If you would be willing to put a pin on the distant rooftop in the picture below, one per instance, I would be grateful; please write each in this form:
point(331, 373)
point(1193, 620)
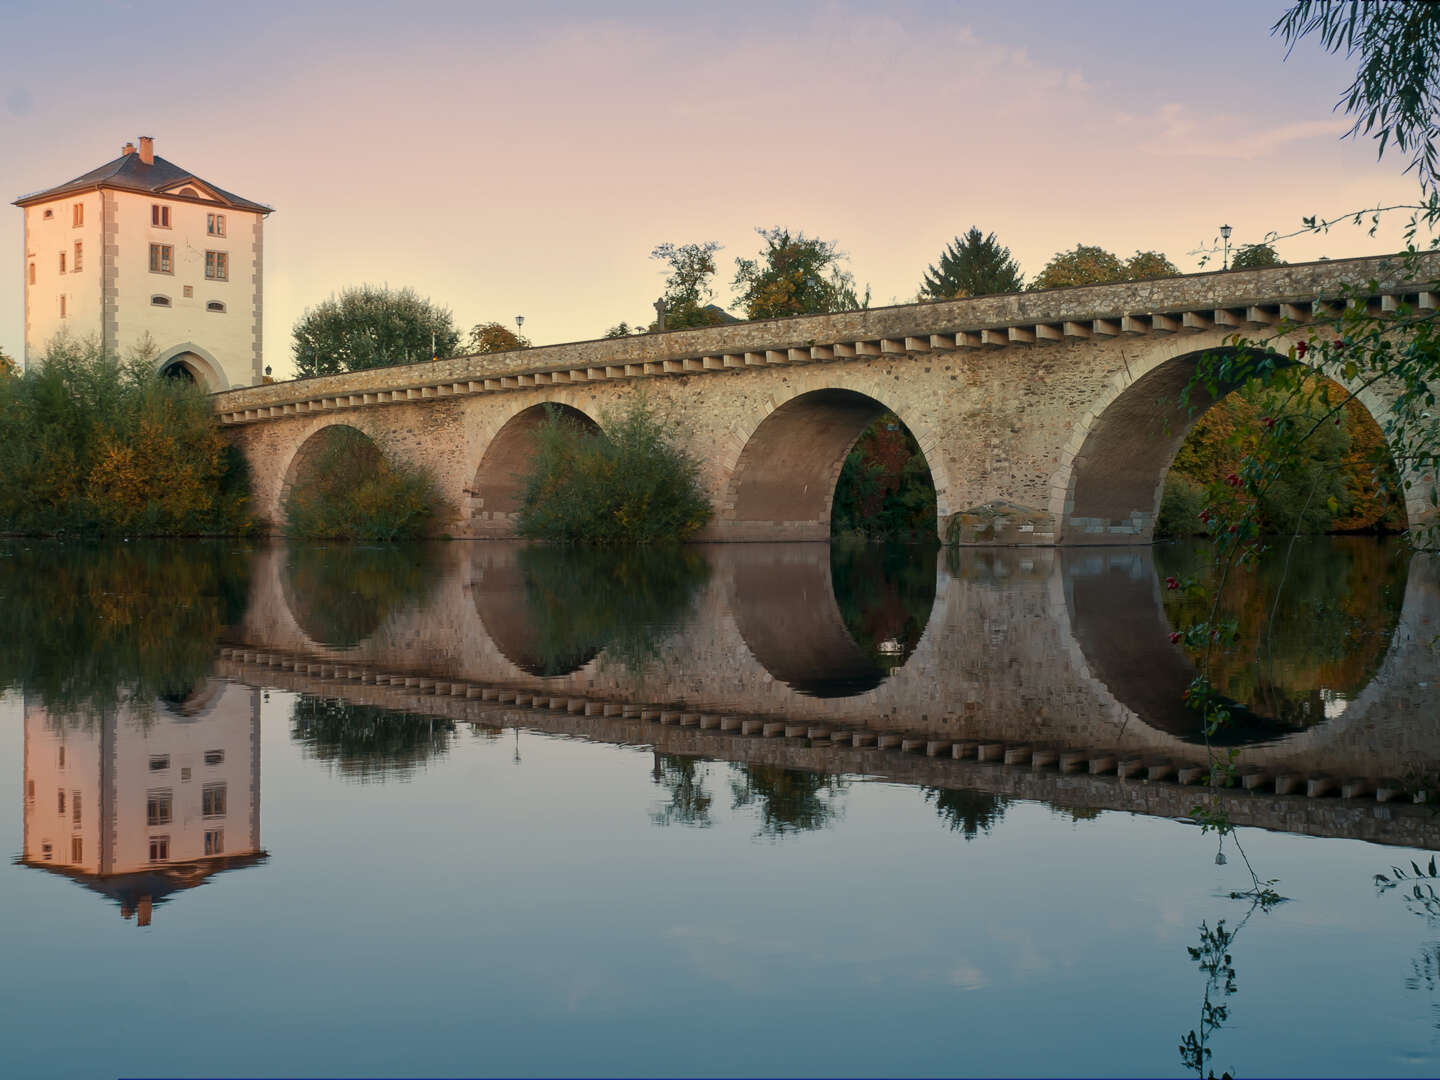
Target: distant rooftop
point(138, 169)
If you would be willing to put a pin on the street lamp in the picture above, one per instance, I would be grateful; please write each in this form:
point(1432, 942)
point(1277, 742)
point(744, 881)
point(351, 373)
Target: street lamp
point(1225, 235)
point(519, 324)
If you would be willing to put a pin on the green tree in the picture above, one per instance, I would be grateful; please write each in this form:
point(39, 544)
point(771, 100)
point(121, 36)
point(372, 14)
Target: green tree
point(8, 366)
point(1254, 256)
point(632, 483)
point(794, 275)
point(623, 329)
point(1085, 265)
point(371, 326)
point(972, 265)
point(1149, 264)
point(1395, 96)
point(687, 289)
point(1089, 265)
point(492, 337)
point(91, 443)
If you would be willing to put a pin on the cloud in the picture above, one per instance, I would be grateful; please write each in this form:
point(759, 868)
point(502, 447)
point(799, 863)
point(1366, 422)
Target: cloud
point(1179, 130)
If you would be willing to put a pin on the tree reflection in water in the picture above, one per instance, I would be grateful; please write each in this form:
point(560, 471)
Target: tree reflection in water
point(1312, 626)
point(88, 626)
point(366, 743)
point(683, 777)
point(341, 594)
point(885, 593)
point(1417, 888)
point(626, 600)
point(788, 800)
point(967, 812)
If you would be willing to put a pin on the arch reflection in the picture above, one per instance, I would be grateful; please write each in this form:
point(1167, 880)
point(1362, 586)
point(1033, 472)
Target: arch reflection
point(1295, 663)
point(551, 610)
point(832, 621)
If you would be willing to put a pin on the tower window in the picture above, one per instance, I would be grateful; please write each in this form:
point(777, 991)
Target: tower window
point(159, 807)
point(215, 224)
point(62, 262)
point(215, 305)
point(62, 305)
point(162, 259)
point(79, 248)
point(78, 212)
point(160, 301)
point(217, 266)
point(48, 214)
point(32, 273)
point(159, 216)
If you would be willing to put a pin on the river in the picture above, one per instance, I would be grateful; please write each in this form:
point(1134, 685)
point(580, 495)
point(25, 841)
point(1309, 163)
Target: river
point(721, 810)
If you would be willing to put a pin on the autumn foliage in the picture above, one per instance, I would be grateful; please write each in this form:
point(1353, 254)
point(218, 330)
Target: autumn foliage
point(94, 445)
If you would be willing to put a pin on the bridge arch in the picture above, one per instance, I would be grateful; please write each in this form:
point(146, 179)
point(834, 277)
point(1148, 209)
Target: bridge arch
point(781, 485)
point(190, 361)
point(1114, 467)
point(498, 487)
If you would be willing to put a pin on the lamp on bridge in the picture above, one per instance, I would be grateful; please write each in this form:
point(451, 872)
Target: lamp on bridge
point(519, 323)
point(1225, 236)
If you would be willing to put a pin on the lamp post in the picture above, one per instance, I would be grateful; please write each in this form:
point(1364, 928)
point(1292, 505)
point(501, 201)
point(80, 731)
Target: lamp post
point(519, 325)
point(1225, 236)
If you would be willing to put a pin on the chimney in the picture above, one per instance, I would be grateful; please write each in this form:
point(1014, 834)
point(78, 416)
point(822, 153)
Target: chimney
point(127, 149)
point(147, 150)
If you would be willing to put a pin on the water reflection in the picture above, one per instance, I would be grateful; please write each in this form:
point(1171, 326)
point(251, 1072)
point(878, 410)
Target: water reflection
point(552, 610)
point(683, 778)
point(969, 813)
point(787, 800)
point(1313, 622)
point(832, 621)
point(91, 626)
point(141, 803)
point(366, 743)
point(340, 594)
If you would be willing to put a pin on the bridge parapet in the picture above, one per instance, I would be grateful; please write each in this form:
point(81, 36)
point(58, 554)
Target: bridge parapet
point(1236, 300)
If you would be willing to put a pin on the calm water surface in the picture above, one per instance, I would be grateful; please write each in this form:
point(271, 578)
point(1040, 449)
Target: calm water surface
point(478, 809)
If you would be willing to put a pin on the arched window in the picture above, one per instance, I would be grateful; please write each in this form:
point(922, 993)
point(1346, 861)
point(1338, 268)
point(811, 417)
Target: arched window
point(215, 305)
point(160, 301)
point(190, 191)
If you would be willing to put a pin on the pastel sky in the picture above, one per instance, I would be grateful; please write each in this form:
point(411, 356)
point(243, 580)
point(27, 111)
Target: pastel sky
point(511, 158)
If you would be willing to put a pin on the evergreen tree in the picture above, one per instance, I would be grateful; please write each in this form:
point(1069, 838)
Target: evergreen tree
point(974, 265)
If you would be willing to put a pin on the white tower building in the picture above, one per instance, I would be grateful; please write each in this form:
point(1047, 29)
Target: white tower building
point(142, 246)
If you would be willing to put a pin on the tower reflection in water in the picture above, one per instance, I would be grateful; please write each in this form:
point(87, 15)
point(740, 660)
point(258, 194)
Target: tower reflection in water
point(142, 803)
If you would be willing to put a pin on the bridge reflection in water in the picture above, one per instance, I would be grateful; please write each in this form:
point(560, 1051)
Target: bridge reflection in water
point(1054, 665)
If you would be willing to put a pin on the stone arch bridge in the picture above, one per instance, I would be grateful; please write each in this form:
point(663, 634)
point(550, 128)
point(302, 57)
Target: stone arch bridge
point(1046, 418)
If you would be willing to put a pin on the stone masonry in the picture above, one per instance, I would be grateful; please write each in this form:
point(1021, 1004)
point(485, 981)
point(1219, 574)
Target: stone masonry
point(1046, 418)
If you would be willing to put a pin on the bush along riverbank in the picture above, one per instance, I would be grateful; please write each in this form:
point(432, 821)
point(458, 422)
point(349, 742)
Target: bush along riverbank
point(630, 484)
point(348, 488)
point(94, 444)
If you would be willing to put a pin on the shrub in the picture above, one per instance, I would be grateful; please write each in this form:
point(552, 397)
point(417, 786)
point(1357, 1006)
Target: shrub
point(348, 489)
point(885, 491)
point(90, 443)
point(633, 485)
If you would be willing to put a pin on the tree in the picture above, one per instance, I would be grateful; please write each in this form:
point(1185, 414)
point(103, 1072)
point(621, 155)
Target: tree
point(8, 366)
point(794, 275)
point(1396, 93)
point(1254, 256)
point(687, 289)
point(976, 265)
point(623, 329)
point(1088, 265)
point(1149, 264)
point(494, 337)
point(371, 326)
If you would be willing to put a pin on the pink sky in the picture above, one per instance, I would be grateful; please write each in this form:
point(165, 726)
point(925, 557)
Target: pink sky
point(505, 161)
